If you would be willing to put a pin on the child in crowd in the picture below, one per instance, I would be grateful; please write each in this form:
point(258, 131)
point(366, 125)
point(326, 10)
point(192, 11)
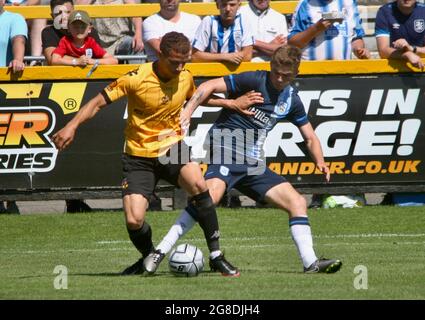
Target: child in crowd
point(79, 46)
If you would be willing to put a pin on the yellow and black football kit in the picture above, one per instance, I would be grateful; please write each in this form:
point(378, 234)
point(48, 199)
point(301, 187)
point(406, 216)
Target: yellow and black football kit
point(153, 127)
point(154, 107)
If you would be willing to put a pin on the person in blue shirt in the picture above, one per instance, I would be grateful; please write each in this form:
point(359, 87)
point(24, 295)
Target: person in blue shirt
point(400, 31)
point(227, 37)
point(13, 35)
point(238, 162)
point(328, 30)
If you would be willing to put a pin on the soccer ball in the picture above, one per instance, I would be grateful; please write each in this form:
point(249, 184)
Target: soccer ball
point(186, 261)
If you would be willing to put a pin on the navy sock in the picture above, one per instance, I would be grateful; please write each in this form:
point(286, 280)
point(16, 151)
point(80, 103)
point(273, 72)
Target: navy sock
point(202, 209)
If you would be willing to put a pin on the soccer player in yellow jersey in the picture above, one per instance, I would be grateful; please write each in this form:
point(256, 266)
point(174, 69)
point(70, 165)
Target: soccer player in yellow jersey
point(156, 95)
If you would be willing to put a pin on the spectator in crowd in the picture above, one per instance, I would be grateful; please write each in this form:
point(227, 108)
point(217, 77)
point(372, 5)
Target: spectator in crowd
point(400, 31)
point(13, 35)
point(269, 27)
point(51, 35)
point(400, 34)
point(169, 18)
point(224, 38)
point(328, 30)
point(118, 36)
point(79, 48)
point(35, 26)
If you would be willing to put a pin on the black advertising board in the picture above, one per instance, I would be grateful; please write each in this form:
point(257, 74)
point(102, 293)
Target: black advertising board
point(370, 128)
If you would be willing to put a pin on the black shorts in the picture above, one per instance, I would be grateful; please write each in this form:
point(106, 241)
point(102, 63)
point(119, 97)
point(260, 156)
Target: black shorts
point(141, 174)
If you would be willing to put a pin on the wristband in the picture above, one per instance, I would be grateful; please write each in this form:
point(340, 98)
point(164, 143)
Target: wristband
point(74, 62)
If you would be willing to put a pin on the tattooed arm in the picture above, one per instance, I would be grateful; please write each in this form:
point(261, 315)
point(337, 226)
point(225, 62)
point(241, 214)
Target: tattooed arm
point(205, 92)
point(201, 94)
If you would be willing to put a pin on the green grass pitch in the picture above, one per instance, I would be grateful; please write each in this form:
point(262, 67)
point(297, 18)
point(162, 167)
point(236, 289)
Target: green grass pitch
point(388, 243)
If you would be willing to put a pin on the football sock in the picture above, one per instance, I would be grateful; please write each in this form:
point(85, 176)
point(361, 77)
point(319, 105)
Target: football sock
point(183, 224)
point(301, 234)
point(202, 209)
point(142, 239)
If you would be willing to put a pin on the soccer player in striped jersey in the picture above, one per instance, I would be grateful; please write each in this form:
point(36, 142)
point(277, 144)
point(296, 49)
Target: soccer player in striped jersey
point(239, 163)
point(328, 30)
point(156, 94)
point(224, 38)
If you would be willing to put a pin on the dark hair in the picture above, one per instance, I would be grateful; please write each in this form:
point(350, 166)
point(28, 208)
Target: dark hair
point(174, 41)
point(287, 55)
point(54, 3)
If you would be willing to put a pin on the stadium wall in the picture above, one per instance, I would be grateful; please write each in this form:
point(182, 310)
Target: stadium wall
point(367, 114)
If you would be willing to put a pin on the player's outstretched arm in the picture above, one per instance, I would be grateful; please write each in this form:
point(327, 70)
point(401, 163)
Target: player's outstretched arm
point(65, 136)
point(242, 103)
point(315, 149)
point(201, 94)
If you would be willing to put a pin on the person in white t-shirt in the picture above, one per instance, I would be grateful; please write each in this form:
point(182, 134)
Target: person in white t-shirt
point(168, 19)
point(224, 38)
point(269, 27)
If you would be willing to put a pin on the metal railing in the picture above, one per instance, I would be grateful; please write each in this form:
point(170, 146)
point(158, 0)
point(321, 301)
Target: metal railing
point(142, 57)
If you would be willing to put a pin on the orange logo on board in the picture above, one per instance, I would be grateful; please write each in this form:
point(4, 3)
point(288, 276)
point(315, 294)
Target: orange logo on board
point(25, 145)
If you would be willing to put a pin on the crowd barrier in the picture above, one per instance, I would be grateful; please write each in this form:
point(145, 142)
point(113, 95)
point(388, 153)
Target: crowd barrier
point(138, 10)
point(367, 114)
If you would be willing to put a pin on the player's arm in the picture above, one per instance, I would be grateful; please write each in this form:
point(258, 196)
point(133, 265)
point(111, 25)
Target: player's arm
point(65, 136)
point(205, 93)
point(240, 104)
point(201, 94)
point(315, 149)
